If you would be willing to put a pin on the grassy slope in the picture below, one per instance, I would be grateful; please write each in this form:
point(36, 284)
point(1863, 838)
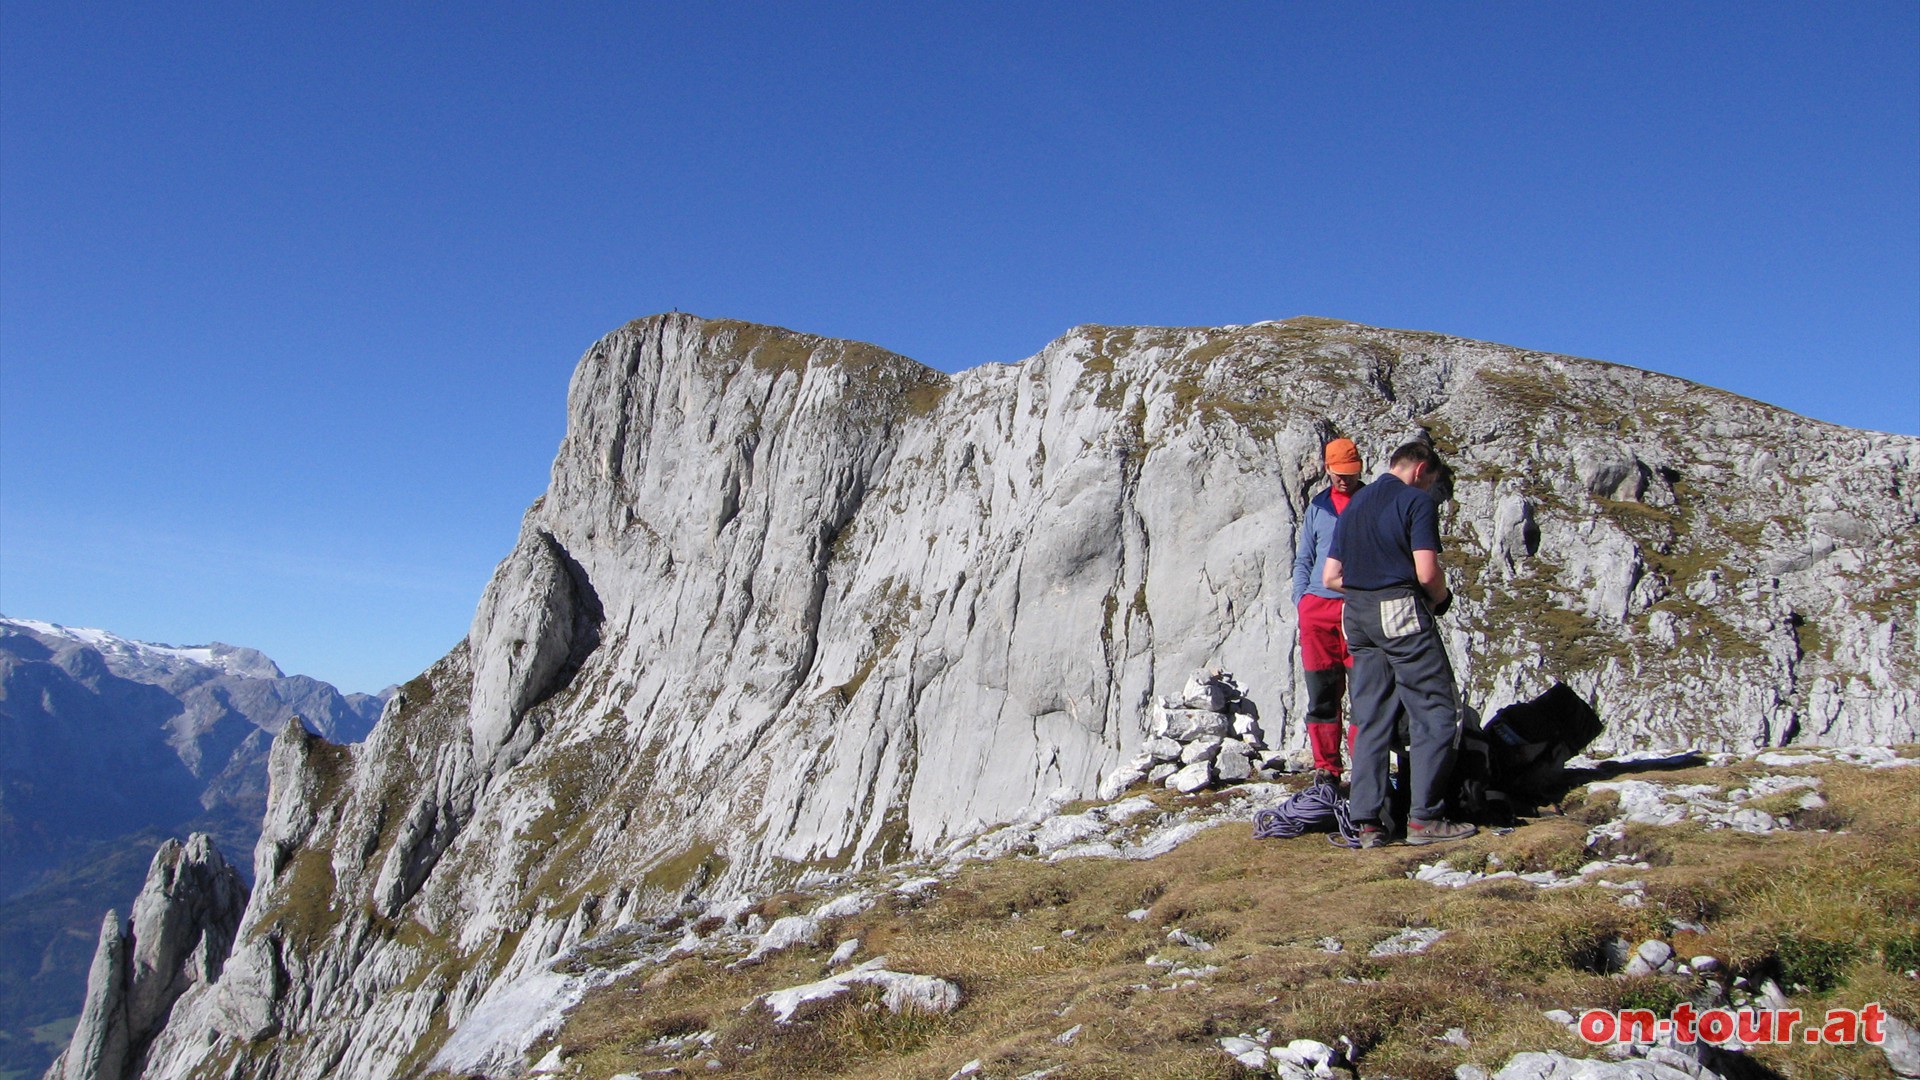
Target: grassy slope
point(1836, 912)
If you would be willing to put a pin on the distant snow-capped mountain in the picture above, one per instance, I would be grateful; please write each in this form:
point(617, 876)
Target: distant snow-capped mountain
point(107, 743)
point(226, 701)
point(231, 659)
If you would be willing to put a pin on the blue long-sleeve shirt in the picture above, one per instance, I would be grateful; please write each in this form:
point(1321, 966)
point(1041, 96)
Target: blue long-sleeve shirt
point(1310, 554)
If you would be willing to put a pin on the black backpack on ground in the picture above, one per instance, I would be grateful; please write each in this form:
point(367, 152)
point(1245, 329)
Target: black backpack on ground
point(1515, 761)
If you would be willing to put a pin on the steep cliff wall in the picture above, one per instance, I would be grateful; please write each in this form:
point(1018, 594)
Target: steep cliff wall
point(180, 935)
point(792, 603)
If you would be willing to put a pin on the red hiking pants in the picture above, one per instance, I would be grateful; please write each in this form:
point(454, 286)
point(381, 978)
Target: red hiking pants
point(1323, 655)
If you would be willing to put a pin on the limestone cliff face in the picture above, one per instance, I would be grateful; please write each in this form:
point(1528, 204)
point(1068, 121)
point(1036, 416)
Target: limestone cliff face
point(792, 603)
point(181, 932)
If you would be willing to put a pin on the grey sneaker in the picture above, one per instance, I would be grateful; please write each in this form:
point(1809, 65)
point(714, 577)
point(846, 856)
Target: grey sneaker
point(1371, 836)
point(1438, 831)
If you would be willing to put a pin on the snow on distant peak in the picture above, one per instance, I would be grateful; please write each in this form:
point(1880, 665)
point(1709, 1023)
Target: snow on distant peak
point(231, 659)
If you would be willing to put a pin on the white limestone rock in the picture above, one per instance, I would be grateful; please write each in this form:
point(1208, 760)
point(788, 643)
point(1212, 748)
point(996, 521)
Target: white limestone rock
point(1247, 728)
point(844, 952)
point(1192, 778)
point(921, 993)
point(1067, 829)
point(790, 601)
point(1205, 748)
point(841, 907)
point(1115, 783)
point(1245, 1051)
point(1305, 1059)
point(1553, 1065)
point(512, 1016)
point(522, 637)
point(1609, 470)
point(182, 930)
point(785, 933)
point(1413, 939)
point(1901, 1047)
point(1515, 534)
point(1162, 748)
point(1178, 936)
point(1233, 767)
point(98, 1047)
point(1185, 725)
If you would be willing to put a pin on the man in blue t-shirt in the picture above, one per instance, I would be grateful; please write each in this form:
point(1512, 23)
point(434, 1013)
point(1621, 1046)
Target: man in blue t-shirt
point(1385, 559)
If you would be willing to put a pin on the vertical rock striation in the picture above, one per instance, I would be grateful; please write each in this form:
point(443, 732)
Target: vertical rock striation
point(792, 603)
point(181, 933)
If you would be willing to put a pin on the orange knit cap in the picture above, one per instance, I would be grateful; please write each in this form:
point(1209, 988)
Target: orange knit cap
point(1343, 457)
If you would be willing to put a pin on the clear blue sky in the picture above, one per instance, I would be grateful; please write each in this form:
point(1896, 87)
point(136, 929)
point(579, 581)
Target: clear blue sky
point(290, 292)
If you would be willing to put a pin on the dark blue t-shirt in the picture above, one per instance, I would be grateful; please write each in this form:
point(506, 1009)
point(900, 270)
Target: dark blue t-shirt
point(1387, 521)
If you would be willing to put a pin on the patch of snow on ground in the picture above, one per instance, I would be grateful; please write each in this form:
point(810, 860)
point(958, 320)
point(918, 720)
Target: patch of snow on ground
point(111, 644)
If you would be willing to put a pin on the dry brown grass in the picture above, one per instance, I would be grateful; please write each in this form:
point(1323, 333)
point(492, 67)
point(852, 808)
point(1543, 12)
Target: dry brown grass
point(1040, 948)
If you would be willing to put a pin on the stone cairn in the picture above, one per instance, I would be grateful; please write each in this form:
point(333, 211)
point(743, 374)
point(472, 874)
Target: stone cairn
point(1210, 735)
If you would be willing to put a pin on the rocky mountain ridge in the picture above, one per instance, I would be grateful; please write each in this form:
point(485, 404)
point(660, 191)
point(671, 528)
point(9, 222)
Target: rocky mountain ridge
point(108, 745)
point(179, 937)
point(154, 658)
point(199, 718)
point(792, 605)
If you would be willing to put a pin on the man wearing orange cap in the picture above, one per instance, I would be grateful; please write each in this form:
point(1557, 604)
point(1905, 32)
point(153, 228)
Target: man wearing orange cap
point(1323, 648)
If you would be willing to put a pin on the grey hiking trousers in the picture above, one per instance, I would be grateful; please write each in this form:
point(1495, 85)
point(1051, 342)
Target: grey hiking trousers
point(1398, 658)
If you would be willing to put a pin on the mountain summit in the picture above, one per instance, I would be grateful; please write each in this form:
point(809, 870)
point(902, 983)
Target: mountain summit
point(793, 605)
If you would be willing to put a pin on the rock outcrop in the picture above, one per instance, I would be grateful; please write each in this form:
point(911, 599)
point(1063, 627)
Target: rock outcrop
point(107, 746)
point(101, 736)
point(181, 933)
point(792, 604)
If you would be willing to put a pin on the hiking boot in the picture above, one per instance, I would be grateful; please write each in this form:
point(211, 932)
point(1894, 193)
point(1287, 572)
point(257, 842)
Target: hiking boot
point(1438, 831)
point(1327, 777)
point(1370, 836)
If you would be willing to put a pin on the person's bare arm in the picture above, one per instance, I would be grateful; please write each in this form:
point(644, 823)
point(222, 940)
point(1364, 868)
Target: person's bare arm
point(1333, 575)
point(1426, 568)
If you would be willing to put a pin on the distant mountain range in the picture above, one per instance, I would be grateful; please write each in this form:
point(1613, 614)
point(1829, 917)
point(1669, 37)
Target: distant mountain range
point(107, 746)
